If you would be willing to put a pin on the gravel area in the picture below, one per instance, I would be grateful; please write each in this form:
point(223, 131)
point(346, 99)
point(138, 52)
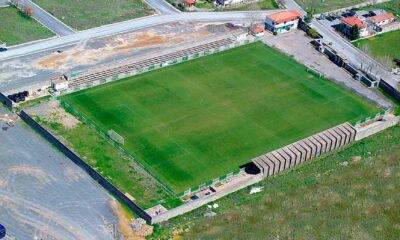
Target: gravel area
point(43, 195)
point(298, 45)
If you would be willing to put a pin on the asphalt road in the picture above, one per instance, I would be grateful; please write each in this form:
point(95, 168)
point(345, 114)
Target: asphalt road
point(43, 195)
point(123, 27)
point(353, 54)
point(345, 48)
point(4, 3)
point(48, 20)
point(162, 7)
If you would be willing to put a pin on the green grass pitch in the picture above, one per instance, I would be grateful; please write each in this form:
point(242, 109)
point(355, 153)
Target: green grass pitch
point(199, 120)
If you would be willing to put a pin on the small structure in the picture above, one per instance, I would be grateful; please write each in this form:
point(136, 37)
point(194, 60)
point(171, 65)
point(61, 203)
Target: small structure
point(282, 21)
point(349, 22)
point(189, 3)
point(59, 84)
point(257, 31)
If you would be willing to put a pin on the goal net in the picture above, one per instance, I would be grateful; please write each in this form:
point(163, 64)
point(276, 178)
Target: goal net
point(116, 137)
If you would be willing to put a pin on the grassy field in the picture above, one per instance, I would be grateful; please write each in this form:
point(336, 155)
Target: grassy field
point(325, 198)
point(327, 5)
point(199, 120)
point(16, 28)
point(93, 13)
point(382, 45)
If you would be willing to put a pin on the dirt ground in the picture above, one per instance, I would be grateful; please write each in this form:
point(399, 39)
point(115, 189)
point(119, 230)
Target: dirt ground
point(166, 36)
point(51, 111)
point(125, 224)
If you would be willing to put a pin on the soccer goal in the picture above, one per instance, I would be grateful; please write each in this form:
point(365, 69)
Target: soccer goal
point(116, 137)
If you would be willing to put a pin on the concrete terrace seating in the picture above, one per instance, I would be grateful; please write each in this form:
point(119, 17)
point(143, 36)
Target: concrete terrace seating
point(147, 62)
point(289, 156)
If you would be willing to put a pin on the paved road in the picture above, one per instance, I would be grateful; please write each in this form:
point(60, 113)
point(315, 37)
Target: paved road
point(341, 45)
point(4, 3)
point(162, 7)
point(123, 27)
point(44, 195)
point(48, 20)
point(291, 4)
point(353, 54)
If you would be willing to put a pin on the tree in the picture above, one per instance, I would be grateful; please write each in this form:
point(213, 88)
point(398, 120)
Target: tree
point(253, 13)
point(309, 16)
point(354, 32)
point(313, 33)
point(28, 11)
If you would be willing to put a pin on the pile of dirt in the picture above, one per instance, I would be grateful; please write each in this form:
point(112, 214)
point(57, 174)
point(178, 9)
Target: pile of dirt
point(125, 226)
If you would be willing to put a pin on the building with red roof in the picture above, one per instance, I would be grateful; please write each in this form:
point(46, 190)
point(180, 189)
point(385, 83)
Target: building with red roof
point(349, 22)
point(189, 3)
point(281, 22)
point(383, 19)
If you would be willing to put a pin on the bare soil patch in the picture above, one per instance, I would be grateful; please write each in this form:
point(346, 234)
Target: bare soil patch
point(53, 112)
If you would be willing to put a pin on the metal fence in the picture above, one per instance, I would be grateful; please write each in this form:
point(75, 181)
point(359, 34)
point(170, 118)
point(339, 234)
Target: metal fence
point(372, 118)
point(118, 146)
point(161, 65)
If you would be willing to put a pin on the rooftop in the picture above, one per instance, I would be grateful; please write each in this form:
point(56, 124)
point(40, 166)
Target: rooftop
point(284, 16)
point(382, 17)
point(352, 21)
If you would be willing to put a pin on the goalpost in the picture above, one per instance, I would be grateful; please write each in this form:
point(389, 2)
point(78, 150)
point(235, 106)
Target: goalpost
point(116, 137)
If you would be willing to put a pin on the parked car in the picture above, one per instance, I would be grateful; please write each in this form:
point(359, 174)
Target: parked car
point(3, 49)
point(2, 231)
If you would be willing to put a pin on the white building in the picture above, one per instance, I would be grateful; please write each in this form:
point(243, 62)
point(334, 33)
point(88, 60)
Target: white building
point(59, 84)
point(282, 21)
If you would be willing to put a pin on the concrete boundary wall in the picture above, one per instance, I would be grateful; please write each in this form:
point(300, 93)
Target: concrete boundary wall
point(86, 167)
point(294, 154)
point(6, 101)
point(386, 122)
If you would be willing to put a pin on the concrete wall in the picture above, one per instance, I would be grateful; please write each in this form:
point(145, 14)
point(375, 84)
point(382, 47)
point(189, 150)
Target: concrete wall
point(78, 161)
point(389, 90)
point(6, 101)
point(187, 207)
point(375, 127)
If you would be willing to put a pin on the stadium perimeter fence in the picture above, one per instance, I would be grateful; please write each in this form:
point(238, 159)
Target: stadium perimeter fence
point(165, 64)
point(114, 143)
point(372, 117)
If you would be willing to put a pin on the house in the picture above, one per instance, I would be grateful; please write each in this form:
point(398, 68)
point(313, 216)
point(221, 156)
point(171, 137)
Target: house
point(282, 21)
point(189, 3)
point(382, 20)
point(257, 31)
point(349, 22)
